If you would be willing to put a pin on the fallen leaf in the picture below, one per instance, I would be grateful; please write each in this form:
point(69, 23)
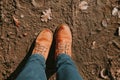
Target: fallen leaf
point(46, 15)
point(102, 74)
point(17, 23)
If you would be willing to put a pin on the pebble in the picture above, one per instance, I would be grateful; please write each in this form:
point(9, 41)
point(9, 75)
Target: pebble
point(83, 5)
point(36, 34)
point(104, 23)
point(115, 11)
point(93, 45)
point(25, 34)
point(22, 16)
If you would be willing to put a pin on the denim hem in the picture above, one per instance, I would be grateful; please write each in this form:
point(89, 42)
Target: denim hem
point(61, 55)
point(36, 56)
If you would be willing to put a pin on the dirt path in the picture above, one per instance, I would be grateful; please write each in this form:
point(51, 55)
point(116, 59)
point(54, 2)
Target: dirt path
point(96, 45)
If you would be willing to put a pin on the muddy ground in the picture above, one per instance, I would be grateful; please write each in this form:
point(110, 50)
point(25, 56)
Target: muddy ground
point(96, 46)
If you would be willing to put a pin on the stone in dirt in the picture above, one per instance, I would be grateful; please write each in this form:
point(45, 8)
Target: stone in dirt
point(83, 5)
point(115, 11)
point(93, 45)
point(22, 16)
point(104, 23)
point(25, 34)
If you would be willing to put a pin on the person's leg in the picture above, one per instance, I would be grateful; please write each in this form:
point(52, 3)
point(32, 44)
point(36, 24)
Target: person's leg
point(66, 69)
point(35, 67)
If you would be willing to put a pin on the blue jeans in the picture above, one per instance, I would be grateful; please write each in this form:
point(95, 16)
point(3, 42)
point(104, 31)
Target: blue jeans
point(35, 69)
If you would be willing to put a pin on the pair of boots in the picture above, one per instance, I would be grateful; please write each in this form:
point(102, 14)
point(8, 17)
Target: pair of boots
point(63, 40)
point(66, 69)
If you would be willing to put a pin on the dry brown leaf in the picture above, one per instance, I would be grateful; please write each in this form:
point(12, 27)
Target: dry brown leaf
point(17, 23)
point(46, 15)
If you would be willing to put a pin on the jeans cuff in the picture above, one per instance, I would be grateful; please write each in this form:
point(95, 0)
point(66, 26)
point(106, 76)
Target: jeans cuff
point(64, 59)
point(37, 57)
point(62, 56)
